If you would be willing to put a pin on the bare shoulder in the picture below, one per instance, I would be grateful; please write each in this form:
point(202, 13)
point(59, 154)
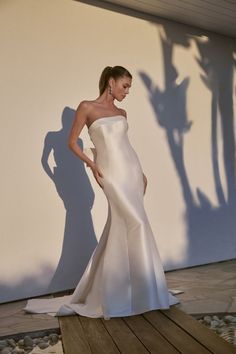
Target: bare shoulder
point(83, 110)
point(123, 112)
point(84, 106)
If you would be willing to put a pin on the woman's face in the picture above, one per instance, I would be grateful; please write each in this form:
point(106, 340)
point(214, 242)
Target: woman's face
point(120, 87)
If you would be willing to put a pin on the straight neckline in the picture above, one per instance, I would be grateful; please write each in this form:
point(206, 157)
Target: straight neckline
point(106, 117)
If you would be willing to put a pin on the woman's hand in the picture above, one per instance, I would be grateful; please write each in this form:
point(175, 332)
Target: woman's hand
point(97, 173)
point(145, 183)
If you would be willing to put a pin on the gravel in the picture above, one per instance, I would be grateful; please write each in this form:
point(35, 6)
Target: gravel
point(224, 326)
point(27, 344)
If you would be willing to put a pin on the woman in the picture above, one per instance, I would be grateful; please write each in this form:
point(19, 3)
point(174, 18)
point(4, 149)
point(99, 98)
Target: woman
point(124, 275)
point(111, 88)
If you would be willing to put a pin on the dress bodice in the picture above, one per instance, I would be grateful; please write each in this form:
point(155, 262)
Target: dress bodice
point(105, 121)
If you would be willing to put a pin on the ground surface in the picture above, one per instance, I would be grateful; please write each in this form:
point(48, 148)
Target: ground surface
point(207, 289)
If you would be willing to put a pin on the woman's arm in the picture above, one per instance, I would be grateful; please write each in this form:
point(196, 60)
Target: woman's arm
point(77, 126)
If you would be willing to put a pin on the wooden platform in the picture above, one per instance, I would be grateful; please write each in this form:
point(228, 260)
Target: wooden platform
point(163, 332)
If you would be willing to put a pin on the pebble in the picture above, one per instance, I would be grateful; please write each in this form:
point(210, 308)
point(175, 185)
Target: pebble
point(231, 319)
point(21, 343)
point(207, 319)
point(11, 342)
point(216, 318)
point(43, 345)
point(28, 342)
point(36, 340)
point(214, 323)
point(53, 338)
point(26, 345)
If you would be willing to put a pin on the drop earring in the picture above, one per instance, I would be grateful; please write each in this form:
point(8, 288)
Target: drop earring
point(110, 92)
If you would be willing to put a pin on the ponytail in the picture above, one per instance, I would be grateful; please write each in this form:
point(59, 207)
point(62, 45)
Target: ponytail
point(104, 78)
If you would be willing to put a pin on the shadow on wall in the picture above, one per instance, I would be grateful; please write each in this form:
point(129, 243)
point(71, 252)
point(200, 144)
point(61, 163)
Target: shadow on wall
point(74, 189)
point(210, 229)
point(33, 283)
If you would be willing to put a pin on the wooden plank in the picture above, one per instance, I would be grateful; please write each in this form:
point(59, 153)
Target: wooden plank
point(124, 338)
point(147, 334)
point(200, 332)
point(97, 336)
point(181, 340)
point(73, 337)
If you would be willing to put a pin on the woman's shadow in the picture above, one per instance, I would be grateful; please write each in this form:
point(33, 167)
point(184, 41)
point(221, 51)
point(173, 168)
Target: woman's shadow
point(74, 188)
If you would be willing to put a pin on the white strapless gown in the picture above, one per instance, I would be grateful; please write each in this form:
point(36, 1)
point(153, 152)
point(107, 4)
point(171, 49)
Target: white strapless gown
point(124, 275)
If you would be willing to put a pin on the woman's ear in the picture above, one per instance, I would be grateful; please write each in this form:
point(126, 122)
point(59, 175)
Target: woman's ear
point(111, 82)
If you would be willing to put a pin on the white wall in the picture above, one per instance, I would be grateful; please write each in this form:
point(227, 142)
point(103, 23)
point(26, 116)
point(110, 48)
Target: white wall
point(180, 112)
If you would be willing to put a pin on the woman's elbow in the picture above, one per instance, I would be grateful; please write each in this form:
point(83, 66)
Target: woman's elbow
point(70, 145)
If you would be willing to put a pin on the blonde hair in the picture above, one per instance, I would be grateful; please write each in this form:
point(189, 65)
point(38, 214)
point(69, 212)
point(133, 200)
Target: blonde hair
point(108, 72)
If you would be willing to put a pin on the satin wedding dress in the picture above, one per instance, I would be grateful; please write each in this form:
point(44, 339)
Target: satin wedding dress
point(124, 275)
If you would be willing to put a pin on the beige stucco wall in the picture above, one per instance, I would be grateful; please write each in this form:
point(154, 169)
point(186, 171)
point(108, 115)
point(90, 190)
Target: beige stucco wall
point(52, 54)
